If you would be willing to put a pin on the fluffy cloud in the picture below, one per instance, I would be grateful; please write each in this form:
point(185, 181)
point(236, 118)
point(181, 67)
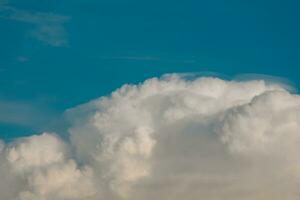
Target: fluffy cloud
point(167, 138)
point(41, 169)
point(35, 152)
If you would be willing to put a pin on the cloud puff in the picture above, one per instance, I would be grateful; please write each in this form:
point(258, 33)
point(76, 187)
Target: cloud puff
point(167, 138)
point(47, 27)
point(35, 152)
point(42, 169)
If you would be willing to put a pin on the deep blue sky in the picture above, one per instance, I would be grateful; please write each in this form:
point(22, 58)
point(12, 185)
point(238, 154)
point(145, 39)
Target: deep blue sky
point(58, 54)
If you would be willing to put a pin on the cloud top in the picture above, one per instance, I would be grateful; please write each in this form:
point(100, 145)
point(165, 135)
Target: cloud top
point(167, 138)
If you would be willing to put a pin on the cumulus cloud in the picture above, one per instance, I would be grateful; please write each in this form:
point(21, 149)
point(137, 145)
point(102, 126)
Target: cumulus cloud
point(166, 138)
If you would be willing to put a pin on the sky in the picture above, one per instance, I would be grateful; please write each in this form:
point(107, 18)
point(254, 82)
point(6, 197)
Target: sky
point(58, 54)
point(128, 99)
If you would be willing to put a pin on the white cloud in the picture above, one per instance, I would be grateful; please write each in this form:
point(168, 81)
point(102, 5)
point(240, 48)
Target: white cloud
point(269, 120)
point(47, 27)
point(62, 181)
point(35, 152)
point(41, 169)
point(166, 138)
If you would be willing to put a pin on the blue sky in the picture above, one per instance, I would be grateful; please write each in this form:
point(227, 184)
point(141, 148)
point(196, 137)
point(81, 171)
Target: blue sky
point(57, 54)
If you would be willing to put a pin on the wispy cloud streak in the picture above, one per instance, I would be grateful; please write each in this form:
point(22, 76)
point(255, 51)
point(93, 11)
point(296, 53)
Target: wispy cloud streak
point(48, 27)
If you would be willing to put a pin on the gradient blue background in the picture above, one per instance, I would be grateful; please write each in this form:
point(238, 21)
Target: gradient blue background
point(113, 42)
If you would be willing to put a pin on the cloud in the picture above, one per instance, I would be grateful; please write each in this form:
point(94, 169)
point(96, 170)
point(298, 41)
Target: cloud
point(22, 59)
point(137, 58)
point(43, 170)
point(47, 27)
point(24, 113)
point(167, 138)
point(146, 58)
point(3, 2)
point(35, 152)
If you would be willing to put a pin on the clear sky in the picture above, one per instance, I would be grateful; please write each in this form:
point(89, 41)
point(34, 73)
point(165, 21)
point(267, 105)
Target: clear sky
point(57, 54)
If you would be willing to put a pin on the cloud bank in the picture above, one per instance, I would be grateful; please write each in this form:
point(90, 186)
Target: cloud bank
point(167, 138)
